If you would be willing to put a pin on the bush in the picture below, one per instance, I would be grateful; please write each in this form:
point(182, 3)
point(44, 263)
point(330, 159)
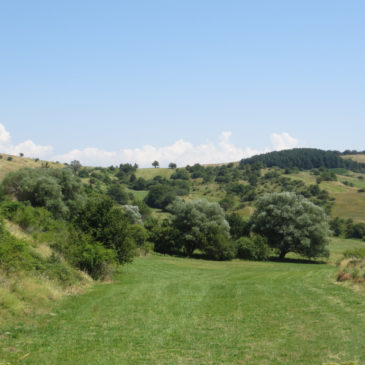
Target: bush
point(14, 253)
point(118, 193)
point(358, 253)
point(160, 196)
point(253, 248)
point(84, 253)
point(57, 190)
point(238, 226)
point(163, 236)
point(108, 225)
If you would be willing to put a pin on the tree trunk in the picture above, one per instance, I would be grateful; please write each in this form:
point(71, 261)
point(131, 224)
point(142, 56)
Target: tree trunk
point(282, 254)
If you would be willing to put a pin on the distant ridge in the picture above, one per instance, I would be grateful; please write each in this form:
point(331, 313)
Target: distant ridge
point(303, 158)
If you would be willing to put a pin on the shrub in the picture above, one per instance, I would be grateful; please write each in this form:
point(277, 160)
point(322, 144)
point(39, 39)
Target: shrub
point(253, 248)
point(238, 226)
point(163, 236)
point(160, 196)
point(57, 190)
point(108, 225)
point(358, 253)
point(83, 252)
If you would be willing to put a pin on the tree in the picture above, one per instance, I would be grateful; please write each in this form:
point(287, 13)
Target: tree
point(57, 190)
point(172, 165)
point(117, 193)
point(108, 225)
point(238, 226)
point(160, 196)
point(75, 166)
point(202, 225)
point(155, 164)
point(291, 223)
point(21, 154)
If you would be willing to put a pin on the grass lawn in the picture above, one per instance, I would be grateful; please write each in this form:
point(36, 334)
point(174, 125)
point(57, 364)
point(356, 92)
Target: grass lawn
point(165, 310)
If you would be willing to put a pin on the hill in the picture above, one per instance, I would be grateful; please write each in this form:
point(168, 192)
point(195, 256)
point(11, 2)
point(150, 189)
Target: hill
point(12, 163)
point(57, 224)
point(233, 185)
point(358, 157)
point(304, 158)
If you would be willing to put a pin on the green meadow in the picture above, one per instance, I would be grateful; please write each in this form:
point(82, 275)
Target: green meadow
point(166, 310)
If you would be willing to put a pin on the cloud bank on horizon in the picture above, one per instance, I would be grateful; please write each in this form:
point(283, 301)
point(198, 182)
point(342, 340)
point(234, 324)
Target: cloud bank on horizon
point(181, 152)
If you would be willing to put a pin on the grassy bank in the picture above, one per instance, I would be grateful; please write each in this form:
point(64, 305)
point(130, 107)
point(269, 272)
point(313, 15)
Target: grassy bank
point(164, 310)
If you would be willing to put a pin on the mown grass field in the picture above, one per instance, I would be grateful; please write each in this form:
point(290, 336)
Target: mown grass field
point(165, 310)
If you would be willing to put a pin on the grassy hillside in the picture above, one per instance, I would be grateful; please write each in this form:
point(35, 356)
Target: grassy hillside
point(148, 173)
point(349, 202)
point(31, 279)
point(164, 310)
point(12, 163)
point(358, 157)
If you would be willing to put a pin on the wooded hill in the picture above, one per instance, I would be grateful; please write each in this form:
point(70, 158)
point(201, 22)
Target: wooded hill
point(59, 221)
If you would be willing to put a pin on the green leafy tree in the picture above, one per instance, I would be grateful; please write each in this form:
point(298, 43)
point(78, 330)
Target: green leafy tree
point(238, 226)
point(172, 165)
point(291, 223)
point(57, 190)
point(117, 193)
point(202, 225)
point(108, 225)
point(155, 164)
point(160, 196)
point(75, 166)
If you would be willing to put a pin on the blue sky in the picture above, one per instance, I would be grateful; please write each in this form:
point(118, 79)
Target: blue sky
point(113, 76)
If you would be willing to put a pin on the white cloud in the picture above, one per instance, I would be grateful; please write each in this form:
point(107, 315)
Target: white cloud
point(29, 148)
point(283, 141)
point(4, 135)
point(181, 152)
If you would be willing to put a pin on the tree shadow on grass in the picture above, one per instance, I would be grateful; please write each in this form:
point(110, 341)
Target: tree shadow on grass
point(297, 261)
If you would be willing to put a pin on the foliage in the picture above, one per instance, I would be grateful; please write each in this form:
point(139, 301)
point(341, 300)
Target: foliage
point(57, 190)
point(108, 225)
point(254, 247)
point(238, 226)
point(155, 164)
point(75, 166)
point(164, 236)
point(292, 223)
point(132, 212)
point(202, 225)
point(303, 158)
point(118, 193)
point(181, 174)
point(356, 230)
point(83, 252)
point(160, 196)
point(172, 165)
